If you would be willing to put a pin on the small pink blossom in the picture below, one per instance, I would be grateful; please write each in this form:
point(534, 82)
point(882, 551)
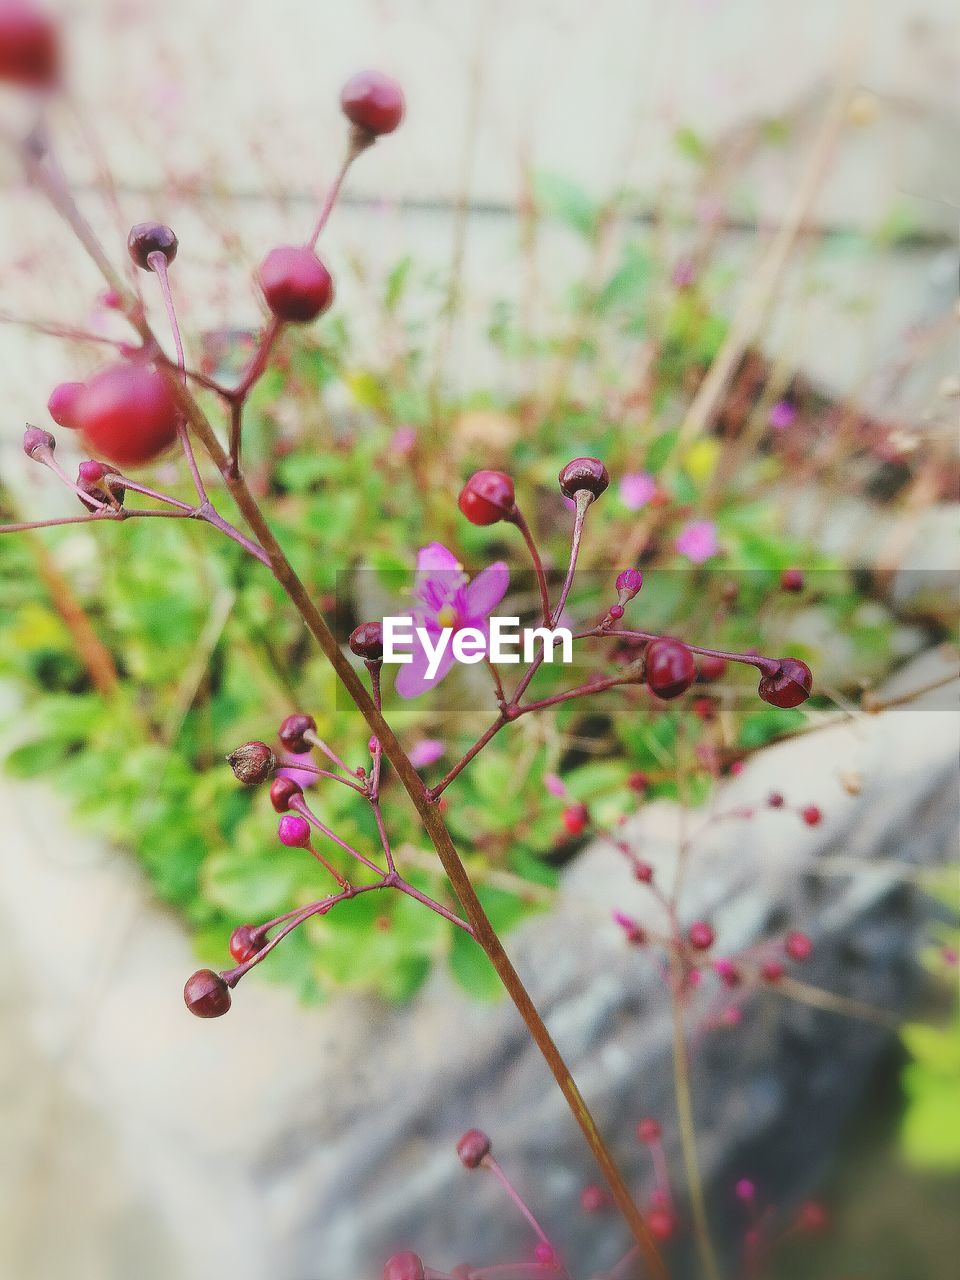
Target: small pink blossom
point(636, 489)
point(402, 442)
point(555, 784)
point(698, 541)
point(425, 752)
point(781, 416)
point(305, 777)
point(446, 600)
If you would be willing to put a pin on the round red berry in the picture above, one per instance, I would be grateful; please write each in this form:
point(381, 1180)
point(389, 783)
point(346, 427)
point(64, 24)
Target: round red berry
point(710, 666)
point(812, 815)
point(813, 1216)
point(662, 1223)
point(472, 1148)
point(245, 942)
point(583, 473)
point(372, 101)
point(366, 641)
point(29, 45)
point(282, 791)
point(593, 1198)
point(575, 819)
point(206, 994)
point(404, 1266)
point(292, 730)
point(296, 285)
point(488, 496)
point(638, 782)
point(648, 1130)
point(788, 686)
point(791, 580)
point(798, 946)
point(62, 405)
point(701, 935)
point(670, 669)
point(127, 414)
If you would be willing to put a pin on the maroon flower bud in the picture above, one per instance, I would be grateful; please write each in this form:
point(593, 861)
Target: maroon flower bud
point(373, 102)
point(772, 971)
point(62, 404)
point(788, 686)
point(791, 580)
point(151, 237)
point(629, 582)
point(638, 781)
point(206, 994)
point(294, 831)
point(643, 872)
point(488, 496)
point(583, 473)
point(366, 641)
point(245, 942)
point(282, 791)
point(36, 441)
point(404, 1266)
point(89, 477)
point(252, 763)
point(472, 1148)
point(701, 935)
point(670, 669)
point(798, 946)
point(292, 730)
point(775, 800)
point(812, 815)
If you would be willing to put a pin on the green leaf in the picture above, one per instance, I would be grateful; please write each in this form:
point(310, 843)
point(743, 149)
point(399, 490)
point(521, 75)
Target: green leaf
point(559, 198)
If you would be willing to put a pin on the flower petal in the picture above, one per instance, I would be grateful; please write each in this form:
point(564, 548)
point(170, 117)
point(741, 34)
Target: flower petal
point(412, 678)
point(487, 590)
point(436, 558)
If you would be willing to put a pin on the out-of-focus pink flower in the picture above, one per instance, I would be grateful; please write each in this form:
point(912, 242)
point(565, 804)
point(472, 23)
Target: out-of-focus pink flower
point(555, 784)
point(425, 752)
point(781, 416)
point(636, 489)
point(402, 442)
point(446, 600)
point(305, 777)
point(698, 541)
point(684, 273)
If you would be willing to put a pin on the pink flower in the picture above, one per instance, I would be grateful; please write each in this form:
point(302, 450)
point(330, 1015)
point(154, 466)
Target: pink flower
point(636, 489)
point(698, 541)
point(402, 442)
point(447, 600)
point(425, 752)
point(554, 784)
point(782, 415)
point(305, 777)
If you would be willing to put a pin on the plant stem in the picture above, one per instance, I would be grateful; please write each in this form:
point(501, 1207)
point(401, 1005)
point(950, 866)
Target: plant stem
point(688, 1139)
